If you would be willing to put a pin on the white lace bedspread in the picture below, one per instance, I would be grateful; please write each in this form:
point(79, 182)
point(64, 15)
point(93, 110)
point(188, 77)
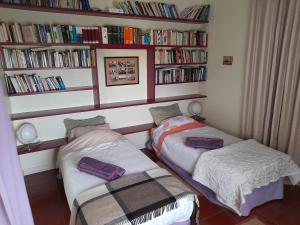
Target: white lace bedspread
point(232, 172)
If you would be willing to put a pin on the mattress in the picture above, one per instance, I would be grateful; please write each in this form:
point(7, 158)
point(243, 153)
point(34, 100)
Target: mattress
point(125, 155)
point(186, 157)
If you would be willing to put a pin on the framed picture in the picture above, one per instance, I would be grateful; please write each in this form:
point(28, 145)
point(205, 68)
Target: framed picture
point(121, 70)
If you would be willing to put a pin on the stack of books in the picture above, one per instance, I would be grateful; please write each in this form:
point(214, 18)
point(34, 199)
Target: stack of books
point(28, 58)
point(121, 35)
point(147, 8)
point(31, 83)
point(172, 37)
point(38, 33)
point(180, 56)
point(70, 4)
point(180, 75)
point(196, 13)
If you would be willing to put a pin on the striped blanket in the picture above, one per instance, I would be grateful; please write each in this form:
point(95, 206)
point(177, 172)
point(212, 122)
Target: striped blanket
point(132, 199)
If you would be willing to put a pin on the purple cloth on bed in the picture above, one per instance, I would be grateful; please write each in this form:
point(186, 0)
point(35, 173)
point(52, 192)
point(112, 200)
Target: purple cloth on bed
point(100, 169)
point(204, 142)
point(258, 196)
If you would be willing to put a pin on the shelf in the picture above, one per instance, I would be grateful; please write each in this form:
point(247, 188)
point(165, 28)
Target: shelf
point(56, 143)
point(179, 64)
point(179, 98)
point(97, 13)
point(26, 44)
point(71, 89)
point(184, 82)
point(54, 112)
point(11, 45)
point(50, 68)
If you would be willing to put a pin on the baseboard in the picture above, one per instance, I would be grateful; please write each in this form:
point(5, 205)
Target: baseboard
point(38, 169)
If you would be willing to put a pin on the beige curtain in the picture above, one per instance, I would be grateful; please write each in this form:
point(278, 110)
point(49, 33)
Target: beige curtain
point(271, 106)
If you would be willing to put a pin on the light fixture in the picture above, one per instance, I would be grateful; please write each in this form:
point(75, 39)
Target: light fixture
point(195, 109)
point(27, 134)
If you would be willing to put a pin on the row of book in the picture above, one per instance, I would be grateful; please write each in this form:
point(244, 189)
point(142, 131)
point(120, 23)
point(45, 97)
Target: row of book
point(147, 8)
point(31, 83)
point(38, 33)
point(196, 13)
point(180, 56)
point(26, 58)
point(180, 75)
point(173, 37)
point(121, 35)
point(71, 4)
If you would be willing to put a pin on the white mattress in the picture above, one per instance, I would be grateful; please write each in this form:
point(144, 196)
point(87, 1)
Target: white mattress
point(176, 151)
point(125, 155)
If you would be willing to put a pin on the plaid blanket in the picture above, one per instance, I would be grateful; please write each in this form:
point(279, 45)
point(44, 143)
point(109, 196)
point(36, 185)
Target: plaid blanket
point(132, 199)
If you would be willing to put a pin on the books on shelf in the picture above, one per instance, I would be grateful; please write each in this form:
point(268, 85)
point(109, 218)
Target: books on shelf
point(30, 58)
point(147, 8)
point(180, 75)
point(196, 13)
point(32, 83)
point(39, 33)
point(173, 37)
point(70, 4)
point(121, 35)
point(180, 56)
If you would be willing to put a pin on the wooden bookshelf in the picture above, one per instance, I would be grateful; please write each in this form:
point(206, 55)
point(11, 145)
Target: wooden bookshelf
point(97, 13)
point(178, 64)
point(181, 82)
point(71, 89)
point(56, 143)
point(48, 68)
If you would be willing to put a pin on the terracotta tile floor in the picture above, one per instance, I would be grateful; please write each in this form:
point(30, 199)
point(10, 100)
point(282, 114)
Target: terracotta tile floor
point(50, 207)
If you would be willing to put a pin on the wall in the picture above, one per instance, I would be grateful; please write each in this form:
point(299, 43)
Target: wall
point(227, 36)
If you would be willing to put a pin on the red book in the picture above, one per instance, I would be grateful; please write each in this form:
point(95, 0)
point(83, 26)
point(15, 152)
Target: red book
point(126, 35)
point(130, 35)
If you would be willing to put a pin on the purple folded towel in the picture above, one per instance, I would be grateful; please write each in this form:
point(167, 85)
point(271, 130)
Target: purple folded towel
point(100, 169)
point(204, 142)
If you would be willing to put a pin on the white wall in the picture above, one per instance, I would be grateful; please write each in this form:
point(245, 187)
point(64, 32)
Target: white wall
point(227, 36)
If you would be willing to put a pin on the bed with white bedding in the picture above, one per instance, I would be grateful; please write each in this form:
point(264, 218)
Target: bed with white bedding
point(118, 152)
point(207, 176)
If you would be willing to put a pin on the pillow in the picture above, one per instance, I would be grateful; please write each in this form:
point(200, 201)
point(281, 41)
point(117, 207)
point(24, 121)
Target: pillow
point(79, 131)
point(71, 123)
point(161, 113)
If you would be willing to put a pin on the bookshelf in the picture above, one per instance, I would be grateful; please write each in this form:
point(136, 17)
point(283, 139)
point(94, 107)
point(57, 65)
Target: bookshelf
point(98, 13)
point(151, 66)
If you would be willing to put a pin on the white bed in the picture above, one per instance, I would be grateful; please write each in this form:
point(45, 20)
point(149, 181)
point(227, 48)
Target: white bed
point(175, 150)
point(123, 154)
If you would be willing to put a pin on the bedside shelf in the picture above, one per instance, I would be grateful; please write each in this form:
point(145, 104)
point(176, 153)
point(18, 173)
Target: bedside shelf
point(61, 111)
point(56, 143)
point(97, 13)
point(71, 89)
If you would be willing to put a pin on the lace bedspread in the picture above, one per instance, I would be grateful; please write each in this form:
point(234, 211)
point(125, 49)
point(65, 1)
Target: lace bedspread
point(234, 171)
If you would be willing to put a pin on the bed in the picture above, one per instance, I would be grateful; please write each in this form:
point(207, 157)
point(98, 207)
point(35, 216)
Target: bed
point(211, 172)
point(119, 152)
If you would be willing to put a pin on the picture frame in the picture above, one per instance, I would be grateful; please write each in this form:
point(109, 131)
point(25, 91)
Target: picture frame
point(121, 70)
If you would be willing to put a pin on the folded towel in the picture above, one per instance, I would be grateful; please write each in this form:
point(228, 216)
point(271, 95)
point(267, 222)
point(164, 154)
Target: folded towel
point(100, 169)
point(204, 142)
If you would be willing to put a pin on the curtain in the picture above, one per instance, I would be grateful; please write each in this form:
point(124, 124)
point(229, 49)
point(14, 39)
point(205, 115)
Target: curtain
point(271, 106)
point(14, 204)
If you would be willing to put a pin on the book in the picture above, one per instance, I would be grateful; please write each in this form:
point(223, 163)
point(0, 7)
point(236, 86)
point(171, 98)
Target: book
point(180, 56)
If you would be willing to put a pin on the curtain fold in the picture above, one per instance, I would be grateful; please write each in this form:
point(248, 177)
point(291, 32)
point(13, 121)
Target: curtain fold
point(14, 204)
point(271, 106)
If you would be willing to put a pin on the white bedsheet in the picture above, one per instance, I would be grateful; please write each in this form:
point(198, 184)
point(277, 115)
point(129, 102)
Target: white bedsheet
point(186, 157)
point(125, 155)
point(235, 171)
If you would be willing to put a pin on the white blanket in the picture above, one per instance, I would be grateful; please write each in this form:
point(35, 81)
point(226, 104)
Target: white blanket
point(234, 171)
